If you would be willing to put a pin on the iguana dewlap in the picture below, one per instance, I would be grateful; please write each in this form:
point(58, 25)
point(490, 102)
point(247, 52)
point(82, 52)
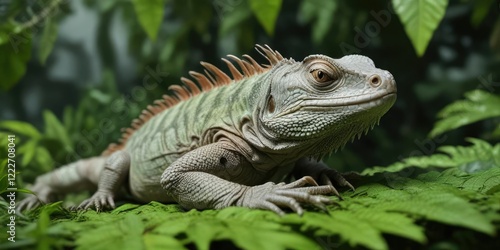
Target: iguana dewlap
point(230, 141)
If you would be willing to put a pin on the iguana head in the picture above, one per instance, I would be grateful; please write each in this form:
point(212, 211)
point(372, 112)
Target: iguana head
point(322, 102)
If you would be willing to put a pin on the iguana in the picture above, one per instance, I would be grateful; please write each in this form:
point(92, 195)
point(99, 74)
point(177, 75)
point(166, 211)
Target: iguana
point(231, 141)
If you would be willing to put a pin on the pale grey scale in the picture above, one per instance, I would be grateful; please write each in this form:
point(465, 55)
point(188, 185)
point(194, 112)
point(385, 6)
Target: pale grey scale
point(239, 94)
point(181, 126)
point(214, 108)
point(166, 120)
point(192, 115)
point(199, 105)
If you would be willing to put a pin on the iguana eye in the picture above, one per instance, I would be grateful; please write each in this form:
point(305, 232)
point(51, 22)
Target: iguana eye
point(320, 76)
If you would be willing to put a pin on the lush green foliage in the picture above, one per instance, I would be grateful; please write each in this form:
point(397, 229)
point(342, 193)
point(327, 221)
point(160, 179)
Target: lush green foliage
point(394, 203)
point(80, 133)
point(420, 19)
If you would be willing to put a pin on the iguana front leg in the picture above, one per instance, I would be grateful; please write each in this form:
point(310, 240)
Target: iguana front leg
point(321, 173)
point(110, 182)
point(194, 182)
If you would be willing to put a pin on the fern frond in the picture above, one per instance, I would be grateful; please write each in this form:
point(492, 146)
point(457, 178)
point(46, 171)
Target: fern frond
point(478, 156)
point(478, 105)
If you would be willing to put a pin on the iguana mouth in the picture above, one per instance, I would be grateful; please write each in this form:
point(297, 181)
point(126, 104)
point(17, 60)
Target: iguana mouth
point(325, 105)
point(349, 101)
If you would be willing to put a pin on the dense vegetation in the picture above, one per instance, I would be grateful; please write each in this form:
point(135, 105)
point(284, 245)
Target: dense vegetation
point(74, 72)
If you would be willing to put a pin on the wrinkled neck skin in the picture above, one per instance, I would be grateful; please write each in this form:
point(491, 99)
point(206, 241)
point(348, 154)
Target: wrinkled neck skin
point(296, 116)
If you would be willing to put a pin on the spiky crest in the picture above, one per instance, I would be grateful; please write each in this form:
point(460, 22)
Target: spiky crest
point(213, 77)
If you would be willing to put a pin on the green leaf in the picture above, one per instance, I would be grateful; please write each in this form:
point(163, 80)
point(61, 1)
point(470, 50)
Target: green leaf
point(16, 51)
point(233, 19)
point(347, 226)
point(478, 105)
point(67, 118)
point(420, 19)
point(55, 129)
point(442, 207)
point(150, 15)
point(483, 182)
point(323, 12)
point(233, 224)
point(496, 132)
point(450, 156)
point(48, 39)
point(480, 10)
point(392, 223)
point(156, 241)
point(43, 159)
point(266, 12)
point(125, 233)
point(28, 150)
point(20, 128)
point(244, 236)
point(4, 184)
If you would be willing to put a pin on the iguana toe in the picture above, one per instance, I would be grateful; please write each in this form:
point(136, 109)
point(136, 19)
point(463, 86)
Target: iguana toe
point(98, 201)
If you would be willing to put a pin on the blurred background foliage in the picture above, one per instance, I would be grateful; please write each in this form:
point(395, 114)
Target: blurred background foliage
point(73, 73)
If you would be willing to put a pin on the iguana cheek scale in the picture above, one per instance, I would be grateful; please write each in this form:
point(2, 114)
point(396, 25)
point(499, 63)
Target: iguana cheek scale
point(224, 141)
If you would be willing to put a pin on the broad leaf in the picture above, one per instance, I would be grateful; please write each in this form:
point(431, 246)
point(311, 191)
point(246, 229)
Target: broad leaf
point(266, 12)
point(15, 52)
point(55, 129)
point(150, 15)
point(48, 39)
point(20, 128)
point(28, 150)
point(323, 12)
point(420, 19)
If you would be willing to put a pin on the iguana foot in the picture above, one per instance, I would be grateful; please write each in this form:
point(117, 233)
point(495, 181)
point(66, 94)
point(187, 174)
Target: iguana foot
point(100, 200)
point(271, 196)
point(28, 203)
point(42, 195)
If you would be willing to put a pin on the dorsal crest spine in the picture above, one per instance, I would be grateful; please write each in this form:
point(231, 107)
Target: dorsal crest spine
point(213, 77)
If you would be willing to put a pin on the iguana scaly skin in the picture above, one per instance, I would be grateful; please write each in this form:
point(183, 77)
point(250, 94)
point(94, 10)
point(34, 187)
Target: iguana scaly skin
point(233, 141)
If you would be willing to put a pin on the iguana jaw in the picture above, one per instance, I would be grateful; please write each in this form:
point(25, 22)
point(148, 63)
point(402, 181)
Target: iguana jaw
point(361, 123)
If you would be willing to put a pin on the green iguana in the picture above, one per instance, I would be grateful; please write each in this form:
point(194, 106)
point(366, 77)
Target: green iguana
point(230, 141)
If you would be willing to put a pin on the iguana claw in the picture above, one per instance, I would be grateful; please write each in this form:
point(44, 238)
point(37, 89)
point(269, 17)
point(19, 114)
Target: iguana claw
point(330, 175)
point(271, 196)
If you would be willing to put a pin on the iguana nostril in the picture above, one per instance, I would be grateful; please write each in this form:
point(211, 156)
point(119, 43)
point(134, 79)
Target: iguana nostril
point(375, 80)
